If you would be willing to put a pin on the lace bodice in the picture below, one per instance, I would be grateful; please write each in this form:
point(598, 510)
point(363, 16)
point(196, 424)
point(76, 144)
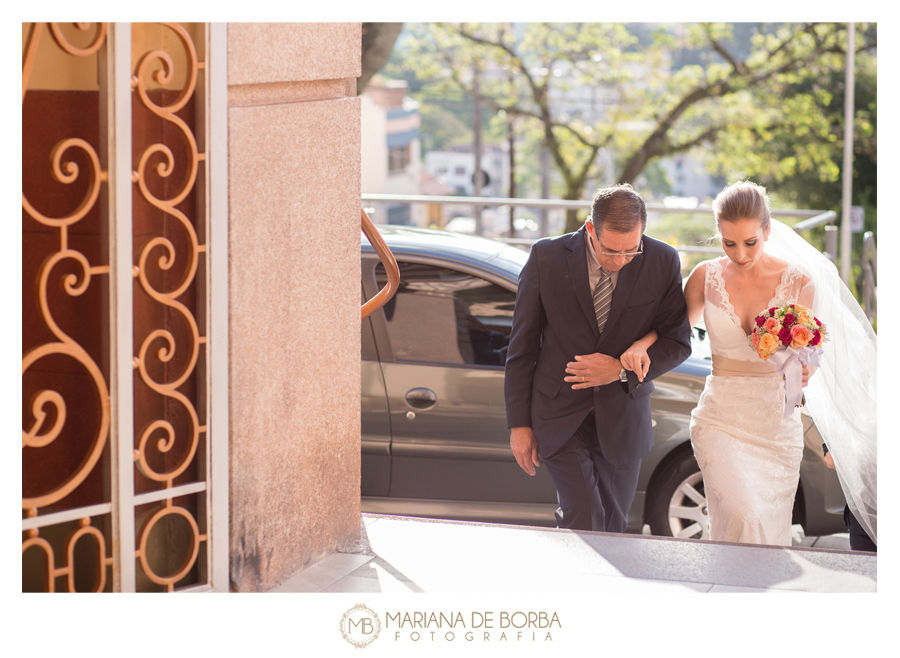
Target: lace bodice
point(726, 336)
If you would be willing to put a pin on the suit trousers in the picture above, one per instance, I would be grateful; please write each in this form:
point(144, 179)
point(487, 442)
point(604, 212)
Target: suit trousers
point(593, 494)
point(859, 539)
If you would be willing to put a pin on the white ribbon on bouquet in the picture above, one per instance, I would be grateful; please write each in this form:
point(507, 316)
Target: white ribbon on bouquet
point(789, 362)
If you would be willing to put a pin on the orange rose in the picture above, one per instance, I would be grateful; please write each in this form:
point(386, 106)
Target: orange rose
point(804, 318)
point(772, 325)
point(800, 336)
point(768, 344)
point(754, 338)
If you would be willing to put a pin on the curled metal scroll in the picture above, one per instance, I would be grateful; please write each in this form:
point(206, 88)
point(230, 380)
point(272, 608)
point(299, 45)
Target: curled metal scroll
point(44, 402)
point(66, 45)
point(160, 435)
point(162, 429)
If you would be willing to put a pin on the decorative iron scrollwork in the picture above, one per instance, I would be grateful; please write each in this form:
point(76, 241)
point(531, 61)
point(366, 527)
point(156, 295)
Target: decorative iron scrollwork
point(44, 401)
point(52, 572)
point(158, 160)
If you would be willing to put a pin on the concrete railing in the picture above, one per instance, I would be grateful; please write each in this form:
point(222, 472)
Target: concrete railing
point(813, 218)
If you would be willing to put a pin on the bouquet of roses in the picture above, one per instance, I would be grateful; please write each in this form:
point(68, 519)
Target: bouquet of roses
point(790, 336)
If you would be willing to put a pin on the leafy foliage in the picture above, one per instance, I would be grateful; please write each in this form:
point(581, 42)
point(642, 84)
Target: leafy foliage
point(608, 100)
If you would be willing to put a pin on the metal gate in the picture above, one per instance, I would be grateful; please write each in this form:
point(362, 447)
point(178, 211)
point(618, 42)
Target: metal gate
point(124, 257)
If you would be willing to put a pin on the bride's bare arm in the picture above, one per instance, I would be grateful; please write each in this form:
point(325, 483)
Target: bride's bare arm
point(635, 358)
point(693, 293)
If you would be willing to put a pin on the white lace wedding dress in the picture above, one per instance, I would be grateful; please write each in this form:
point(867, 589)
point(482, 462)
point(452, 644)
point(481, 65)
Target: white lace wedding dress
point(748, 453)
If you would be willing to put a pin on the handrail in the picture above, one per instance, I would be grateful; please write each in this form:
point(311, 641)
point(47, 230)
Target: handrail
point(528, 242)
point(870, 272)
point(555, 203)
point(390, 265)
point(826, 217)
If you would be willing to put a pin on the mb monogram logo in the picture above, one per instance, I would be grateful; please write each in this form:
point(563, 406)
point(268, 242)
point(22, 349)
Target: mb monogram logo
point(360, 626)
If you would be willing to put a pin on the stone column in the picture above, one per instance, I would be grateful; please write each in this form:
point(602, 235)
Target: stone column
point(294, 233)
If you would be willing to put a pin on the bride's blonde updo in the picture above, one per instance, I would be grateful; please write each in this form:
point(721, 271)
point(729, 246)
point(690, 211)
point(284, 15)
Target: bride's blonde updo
point(742, 200)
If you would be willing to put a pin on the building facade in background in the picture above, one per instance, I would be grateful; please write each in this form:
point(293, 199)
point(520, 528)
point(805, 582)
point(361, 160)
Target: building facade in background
point(391, 149)
point(455, 167)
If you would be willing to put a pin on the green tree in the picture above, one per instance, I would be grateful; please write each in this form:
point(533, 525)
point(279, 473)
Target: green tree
point(442, 128)
point(799, 155)
point(591, 88)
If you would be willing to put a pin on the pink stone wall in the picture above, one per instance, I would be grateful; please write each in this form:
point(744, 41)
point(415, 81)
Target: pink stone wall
point(288, 52)
point(294, 186)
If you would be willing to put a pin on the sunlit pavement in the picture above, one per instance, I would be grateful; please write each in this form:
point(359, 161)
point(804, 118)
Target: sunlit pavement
point(400, 554)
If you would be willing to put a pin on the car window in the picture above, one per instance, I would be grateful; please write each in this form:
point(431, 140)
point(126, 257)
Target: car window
point(445, 316)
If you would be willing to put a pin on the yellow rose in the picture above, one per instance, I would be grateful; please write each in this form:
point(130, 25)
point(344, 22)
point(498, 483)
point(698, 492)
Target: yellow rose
point(800, 336)
point(768, 344)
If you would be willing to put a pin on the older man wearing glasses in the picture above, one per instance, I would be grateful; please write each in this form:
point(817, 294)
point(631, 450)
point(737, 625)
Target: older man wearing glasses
point(584, 298)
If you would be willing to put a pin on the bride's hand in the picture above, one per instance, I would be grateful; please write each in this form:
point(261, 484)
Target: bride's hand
point(635, 359)
point(805, 379)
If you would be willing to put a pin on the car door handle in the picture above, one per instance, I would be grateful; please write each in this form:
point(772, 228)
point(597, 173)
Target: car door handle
point(421, 398)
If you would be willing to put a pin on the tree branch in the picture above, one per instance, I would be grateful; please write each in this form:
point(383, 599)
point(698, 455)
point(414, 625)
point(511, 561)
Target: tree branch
point(707, 135)
point(737, 67)
point(653, 145)
point(539, 95)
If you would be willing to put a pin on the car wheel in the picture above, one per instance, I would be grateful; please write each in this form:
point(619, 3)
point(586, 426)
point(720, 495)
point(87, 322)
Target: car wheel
point(677, 506)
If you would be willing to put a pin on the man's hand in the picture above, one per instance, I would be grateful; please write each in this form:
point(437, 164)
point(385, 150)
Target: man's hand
point(592, 370)
point(829, 461)
point(524, 447)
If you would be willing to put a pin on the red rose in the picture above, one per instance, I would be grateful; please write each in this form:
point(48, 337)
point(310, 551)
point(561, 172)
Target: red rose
point(817, 321)
point(788, 320)
point(760, 321)
point(772, 310)
point(785, 336)
point(816, 338)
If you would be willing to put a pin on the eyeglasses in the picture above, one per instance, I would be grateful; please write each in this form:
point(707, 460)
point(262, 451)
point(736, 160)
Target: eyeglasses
point(625, 254)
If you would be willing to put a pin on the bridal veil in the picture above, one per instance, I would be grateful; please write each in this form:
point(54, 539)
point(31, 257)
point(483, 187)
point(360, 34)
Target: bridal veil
point(841, 395)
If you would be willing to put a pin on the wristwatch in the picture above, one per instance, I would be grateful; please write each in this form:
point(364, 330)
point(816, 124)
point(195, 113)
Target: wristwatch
point(623, 376)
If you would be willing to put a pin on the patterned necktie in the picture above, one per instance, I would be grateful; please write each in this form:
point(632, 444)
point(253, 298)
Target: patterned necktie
point(603, 298)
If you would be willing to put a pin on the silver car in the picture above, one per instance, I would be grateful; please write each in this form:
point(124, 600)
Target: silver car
point(434, 436)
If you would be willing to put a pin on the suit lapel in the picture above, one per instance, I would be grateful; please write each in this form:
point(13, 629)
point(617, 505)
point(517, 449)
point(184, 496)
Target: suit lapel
point(628, 275)
point(578, 275)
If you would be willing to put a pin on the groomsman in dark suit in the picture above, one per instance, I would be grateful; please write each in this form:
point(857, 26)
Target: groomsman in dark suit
point(583, 299)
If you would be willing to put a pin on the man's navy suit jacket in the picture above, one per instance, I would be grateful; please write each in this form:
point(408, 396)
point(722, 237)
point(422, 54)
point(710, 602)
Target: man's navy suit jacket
point(554, 320)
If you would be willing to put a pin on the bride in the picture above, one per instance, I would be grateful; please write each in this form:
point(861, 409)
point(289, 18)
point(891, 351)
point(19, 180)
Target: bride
point(749, 453)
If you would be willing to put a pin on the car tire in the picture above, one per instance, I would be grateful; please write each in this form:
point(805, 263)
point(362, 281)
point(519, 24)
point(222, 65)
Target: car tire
point(677, 505)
